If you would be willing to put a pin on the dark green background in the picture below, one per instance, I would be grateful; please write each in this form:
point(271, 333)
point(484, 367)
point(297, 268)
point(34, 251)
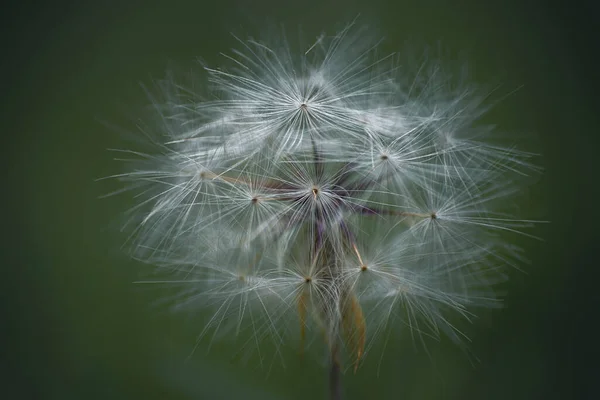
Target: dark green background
point(76, 328)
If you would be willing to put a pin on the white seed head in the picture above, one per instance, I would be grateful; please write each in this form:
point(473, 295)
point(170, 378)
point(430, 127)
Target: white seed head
point(321, 194)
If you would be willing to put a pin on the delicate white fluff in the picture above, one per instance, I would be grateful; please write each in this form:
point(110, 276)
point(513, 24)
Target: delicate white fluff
point(319, 193)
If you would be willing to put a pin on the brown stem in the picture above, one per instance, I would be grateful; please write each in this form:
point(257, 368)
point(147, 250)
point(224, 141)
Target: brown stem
point(335, 377)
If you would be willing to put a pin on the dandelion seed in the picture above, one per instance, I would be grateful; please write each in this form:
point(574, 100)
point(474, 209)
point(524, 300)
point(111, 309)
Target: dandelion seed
point(317, 196)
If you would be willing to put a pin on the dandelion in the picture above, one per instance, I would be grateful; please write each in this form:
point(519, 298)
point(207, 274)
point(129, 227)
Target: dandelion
point(326, 196)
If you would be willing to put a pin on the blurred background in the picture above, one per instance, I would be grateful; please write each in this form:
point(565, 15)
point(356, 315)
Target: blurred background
point(75, 327)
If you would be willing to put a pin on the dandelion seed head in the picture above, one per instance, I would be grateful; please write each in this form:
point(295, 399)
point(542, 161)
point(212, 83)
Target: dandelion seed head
point(318, 195)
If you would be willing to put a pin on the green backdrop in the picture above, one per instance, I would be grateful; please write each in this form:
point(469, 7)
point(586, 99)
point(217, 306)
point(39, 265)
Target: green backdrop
point(76, 327)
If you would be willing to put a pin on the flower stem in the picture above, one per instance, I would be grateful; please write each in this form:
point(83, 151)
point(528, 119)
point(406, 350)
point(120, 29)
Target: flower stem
point(335, 378)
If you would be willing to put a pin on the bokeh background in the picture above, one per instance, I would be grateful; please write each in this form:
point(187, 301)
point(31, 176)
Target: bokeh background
point(76, 328)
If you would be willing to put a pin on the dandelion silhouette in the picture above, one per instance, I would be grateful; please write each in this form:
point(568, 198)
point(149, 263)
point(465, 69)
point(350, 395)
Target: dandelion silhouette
point(326, 195)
